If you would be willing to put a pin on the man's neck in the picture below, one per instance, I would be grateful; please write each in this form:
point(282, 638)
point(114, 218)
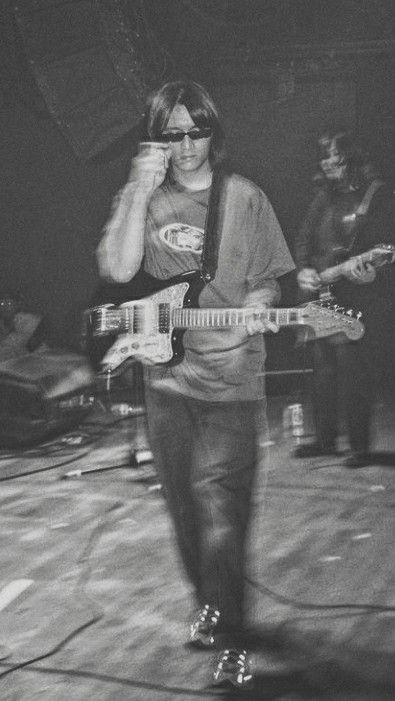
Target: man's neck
point(194, 180)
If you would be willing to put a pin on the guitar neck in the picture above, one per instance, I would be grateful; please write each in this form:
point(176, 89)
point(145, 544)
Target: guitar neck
point(185, 318)
point(376, 257)
point(334, 273)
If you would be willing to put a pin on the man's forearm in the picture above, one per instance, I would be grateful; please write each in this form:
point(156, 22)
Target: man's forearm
point(121, 249)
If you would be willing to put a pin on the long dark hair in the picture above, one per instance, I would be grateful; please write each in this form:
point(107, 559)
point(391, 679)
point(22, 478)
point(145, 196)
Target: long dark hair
point(361, 168)
point(200, 106)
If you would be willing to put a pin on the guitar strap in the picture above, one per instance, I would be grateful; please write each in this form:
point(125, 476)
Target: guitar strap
point(364, 207)
point(368, 196)
point(212, 229)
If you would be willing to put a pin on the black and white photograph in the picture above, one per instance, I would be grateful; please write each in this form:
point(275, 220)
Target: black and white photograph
point(197, 343)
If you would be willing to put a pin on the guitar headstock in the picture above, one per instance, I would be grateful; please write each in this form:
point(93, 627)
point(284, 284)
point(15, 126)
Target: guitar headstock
point(381, 254)
point(326, 318)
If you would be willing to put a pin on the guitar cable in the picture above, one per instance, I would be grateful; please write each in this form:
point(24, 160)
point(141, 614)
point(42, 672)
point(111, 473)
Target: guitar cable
point(82, 580)
point(98, 613)
point(84, 562)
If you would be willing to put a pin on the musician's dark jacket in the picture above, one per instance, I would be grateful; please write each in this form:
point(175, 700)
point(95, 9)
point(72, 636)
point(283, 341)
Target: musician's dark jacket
point(329, 235)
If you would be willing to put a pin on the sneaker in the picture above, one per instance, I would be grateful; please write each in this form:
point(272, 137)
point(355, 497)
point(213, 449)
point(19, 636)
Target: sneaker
point(234, 669)
point(314, 450)
point(203, 628)
point(357, 459)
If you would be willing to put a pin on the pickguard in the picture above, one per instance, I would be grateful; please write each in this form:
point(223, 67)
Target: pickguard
point(148, 342)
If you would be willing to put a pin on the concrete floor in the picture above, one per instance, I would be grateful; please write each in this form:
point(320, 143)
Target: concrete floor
point(93, 605)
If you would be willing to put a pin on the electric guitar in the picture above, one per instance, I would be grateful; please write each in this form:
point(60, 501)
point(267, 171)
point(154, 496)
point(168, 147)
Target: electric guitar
point(151, 329)
point(379, 255)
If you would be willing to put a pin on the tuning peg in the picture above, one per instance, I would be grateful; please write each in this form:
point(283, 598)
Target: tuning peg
point(350, 312)
point(359, 314)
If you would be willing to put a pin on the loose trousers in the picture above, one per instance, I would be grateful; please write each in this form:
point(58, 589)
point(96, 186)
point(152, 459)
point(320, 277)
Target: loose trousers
point(347, 371)
point(205, 454)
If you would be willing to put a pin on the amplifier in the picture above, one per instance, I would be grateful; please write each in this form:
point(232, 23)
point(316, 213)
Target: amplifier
point(43, 394)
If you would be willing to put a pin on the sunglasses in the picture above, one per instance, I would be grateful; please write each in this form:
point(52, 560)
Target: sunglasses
point(194, 134)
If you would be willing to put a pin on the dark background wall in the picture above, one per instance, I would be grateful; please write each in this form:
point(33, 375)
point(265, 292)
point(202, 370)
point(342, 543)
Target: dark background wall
point(74, 76)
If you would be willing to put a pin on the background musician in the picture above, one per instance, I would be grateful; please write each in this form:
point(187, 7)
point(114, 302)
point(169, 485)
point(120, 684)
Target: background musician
point(352, 211)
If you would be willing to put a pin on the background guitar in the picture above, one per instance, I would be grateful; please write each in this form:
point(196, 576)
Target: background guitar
point(381, 254)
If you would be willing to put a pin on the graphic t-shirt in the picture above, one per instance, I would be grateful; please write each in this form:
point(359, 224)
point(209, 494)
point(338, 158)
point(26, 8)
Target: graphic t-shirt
point(175, 230)
point(219, 364)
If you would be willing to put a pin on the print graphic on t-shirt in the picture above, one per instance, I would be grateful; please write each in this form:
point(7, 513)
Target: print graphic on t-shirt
point(182, 237)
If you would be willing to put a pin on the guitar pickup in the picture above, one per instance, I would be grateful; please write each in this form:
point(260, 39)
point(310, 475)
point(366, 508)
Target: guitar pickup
point(164, 317)
point(103, 320)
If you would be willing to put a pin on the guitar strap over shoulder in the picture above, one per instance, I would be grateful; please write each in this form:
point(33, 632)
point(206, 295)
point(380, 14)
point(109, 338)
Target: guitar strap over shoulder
point(368, 196)
point(363, 209)
point(212, 230)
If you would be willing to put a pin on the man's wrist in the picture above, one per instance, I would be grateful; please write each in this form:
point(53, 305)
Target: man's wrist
point(134, 192)
point(262, 297)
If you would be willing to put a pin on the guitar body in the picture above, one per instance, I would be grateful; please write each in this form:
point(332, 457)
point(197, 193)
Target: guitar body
point(110, 294)
point(150, 327)
point(153, 339)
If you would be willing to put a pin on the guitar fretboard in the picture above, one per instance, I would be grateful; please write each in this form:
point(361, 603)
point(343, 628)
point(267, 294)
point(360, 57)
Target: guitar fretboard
point(134, 318)
point(220, 318)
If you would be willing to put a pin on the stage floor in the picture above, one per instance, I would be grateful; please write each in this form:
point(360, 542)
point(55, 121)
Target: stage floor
point(93, 605)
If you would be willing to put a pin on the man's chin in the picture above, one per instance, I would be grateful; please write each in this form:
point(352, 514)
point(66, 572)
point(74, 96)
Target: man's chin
point(188, 164)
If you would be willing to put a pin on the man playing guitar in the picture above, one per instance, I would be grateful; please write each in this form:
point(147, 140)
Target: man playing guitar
point(180, 212)
point(353, 210)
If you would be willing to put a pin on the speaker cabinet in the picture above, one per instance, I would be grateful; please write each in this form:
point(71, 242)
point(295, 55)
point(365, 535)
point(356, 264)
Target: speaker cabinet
point(86, 66)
